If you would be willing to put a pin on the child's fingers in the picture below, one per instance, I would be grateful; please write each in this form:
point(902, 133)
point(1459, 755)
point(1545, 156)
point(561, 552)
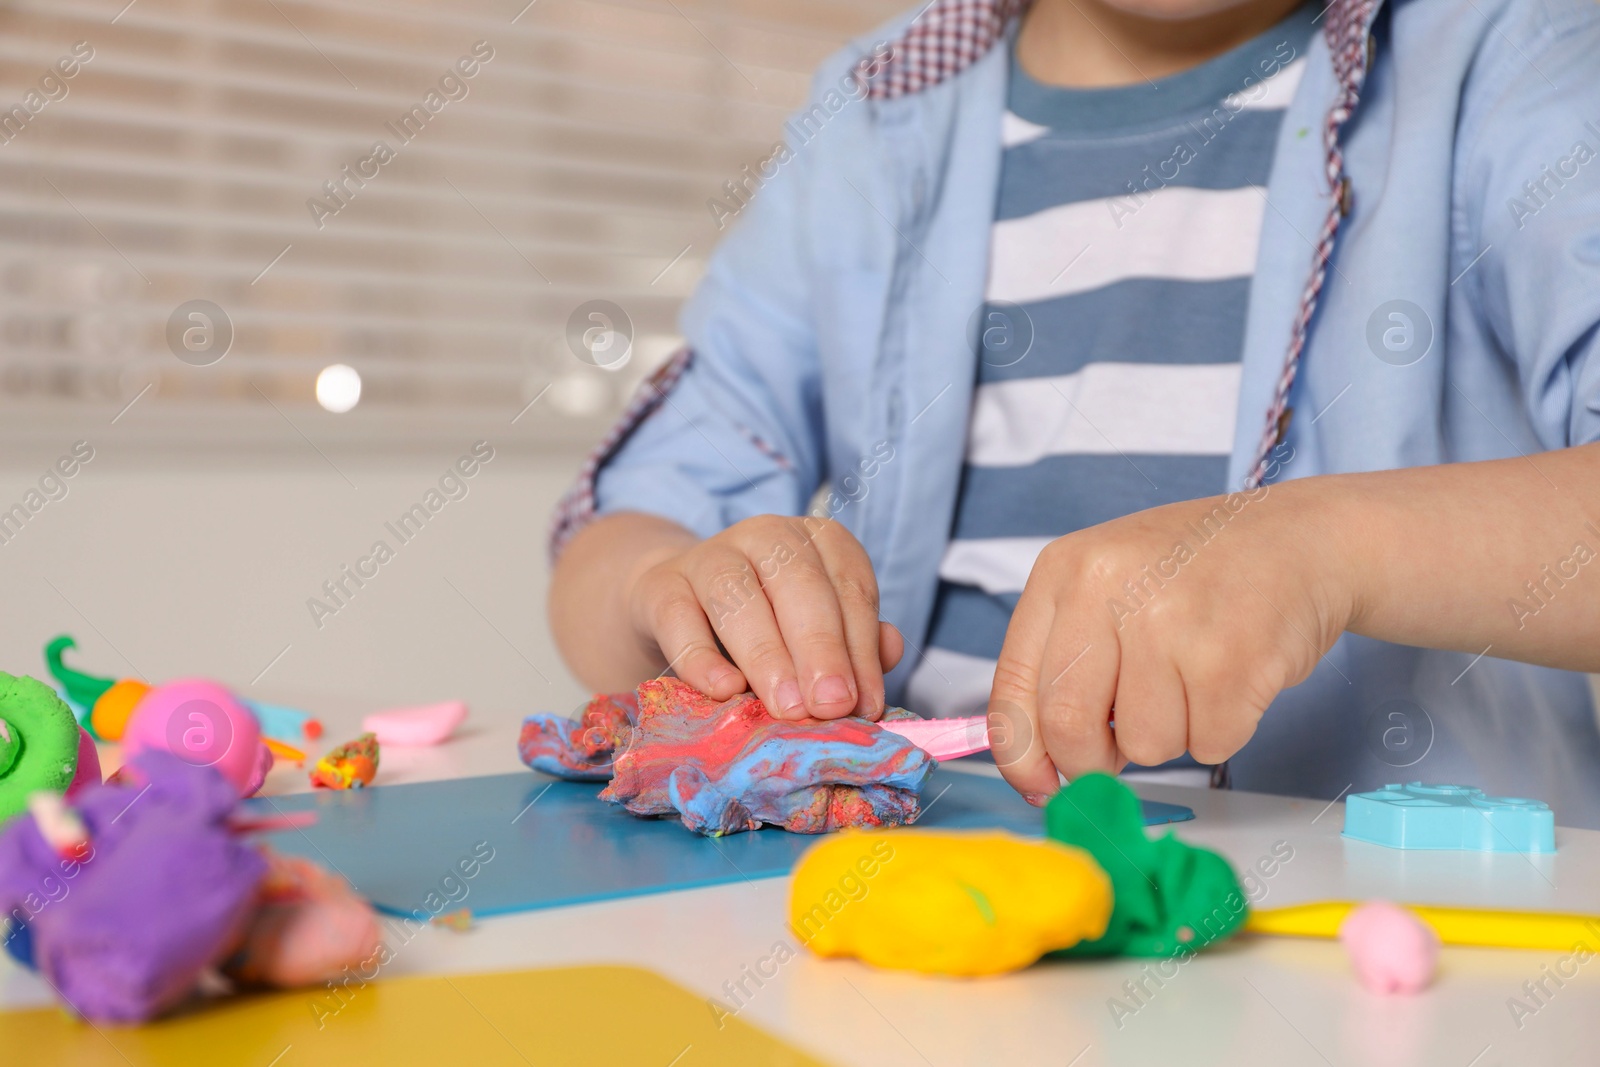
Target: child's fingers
point(1223, 715)
point(1077, 686)
point(850, 571)
point(891, 646)
point(1152, 711)
point(742, 618)
point(1014, 735)
point(808, 611)
point(684, 635)
point(861, 631)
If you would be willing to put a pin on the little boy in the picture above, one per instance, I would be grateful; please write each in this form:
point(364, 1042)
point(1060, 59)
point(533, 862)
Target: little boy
point(1191, 380)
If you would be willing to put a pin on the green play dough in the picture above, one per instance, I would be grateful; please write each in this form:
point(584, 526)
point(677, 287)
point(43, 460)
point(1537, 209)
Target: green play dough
point(42, 753)
point(84, 688)
point(1169, 898)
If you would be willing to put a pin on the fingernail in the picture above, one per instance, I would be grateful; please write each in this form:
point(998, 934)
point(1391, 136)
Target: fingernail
point(832, 689)
point(1038, 800)
point(721, 676)
point(788, 696)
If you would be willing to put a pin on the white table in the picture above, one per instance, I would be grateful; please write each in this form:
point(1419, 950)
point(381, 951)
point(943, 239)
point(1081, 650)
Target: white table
point(1252, 1001)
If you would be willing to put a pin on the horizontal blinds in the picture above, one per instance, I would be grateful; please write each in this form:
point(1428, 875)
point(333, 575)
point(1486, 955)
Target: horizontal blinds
point(284, 161)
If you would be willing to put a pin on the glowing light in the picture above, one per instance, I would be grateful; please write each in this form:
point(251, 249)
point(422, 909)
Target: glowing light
point(338, 388)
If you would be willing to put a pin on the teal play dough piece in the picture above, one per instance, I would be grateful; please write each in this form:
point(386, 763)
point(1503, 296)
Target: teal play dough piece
point(38, 744)
point(1455, 817)
point(1168, 898)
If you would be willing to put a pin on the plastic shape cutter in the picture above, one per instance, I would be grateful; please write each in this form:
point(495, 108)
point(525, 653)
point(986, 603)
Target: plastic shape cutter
point(1459, 817)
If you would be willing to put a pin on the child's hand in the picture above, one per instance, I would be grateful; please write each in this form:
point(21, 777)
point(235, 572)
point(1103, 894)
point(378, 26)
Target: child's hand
point(793, 601)
point(1181, 623)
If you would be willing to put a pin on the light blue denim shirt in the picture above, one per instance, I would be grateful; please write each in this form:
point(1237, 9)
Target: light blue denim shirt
point(832, 349)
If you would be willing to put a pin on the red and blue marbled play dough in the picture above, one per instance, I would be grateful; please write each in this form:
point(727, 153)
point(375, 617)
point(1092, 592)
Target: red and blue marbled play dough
point(580, 749)
point(730, 766)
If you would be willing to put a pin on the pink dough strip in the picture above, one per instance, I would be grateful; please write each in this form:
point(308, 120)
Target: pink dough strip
point(283, 820)
point(944, 738)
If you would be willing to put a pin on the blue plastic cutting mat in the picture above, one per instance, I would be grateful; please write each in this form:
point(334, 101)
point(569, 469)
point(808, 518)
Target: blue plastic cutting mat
point(407, 847)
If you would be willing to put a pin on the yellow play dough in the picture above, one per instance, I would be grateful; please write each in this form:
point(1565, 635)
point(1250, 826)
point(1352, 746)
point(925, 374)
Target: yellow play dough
point(946, 903)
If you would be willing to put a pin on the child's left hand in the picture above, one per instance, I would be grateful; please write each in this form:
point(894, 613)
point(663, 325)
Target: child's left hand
point(1181, 623)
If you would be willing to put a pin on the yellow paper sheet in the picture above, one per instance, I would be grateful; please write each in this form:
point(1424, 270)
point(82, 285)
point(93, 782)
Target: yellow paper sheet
point(567, 1015)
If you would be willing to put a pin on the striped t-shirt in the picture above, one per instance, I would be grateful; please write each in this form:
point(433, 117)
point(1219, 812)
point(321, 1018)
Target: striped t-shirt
point(1123, 248)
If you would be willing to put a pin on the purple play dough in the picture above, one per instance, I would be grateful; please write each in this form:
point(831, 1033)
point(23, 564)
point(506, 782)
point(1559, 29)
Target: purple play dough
point(165, 893)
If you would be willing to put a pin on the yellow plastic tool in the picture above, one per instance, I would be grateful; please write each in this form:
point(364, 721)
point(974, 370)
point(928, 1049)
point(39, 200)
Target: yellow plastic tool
point(1483, 927)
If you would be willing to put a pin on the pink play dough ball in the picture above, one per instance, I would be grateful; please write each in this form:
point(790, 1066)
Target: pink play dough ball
point(1391, 949)
point(204, 724)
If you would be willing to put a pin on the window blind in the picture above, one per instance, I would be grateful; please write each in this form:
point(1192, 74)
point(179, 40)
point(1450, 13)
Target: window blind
point(205, 203)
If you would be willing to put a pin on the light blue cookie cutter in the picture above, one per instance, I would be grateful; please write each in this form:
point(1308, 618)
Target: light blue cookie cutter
point(1449, 817)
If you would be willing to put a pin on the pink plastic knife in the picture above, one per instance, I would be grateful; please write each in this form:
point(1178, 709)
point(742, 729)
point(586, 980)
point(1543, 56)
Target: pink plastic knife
point(944, 738)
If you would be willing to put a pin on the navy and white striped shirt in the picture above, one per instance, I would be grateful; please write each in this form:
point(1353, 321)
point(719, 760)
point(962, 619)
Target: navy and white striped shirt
point(1123, 247)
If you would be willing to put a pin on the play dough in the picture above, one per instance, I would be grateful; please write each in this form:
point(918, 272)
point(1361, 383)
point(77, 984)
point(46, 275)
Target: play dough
point(88, 770)
point(288, 725)
point(114, 707)
point(83, 689)
point(10, 747)
point(203, 724)
point(1390, 949)
point(125, 900)
point(107, 703)
point(352, 765)
point(946, 903)
point(428, 724)
point(1170, 897)
point(580, 749)
point(730, 766)
point(164, 894)
point(39, 739)
point(309, 923)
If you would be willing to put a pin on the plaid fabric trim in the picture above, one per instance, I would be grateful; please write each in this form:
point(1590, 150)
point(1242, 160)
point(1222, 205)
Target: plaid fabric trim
point(946, 38)
point(765, 447)
point(575, 509)
point(1346, 30)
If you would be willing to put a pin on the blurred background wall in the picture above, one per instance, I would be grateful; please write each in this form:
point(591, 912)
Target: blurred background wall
point(276, 265)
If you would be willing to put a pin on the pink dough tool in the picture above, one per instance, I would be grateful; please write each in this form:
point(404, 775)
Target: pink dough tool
point(944, 738)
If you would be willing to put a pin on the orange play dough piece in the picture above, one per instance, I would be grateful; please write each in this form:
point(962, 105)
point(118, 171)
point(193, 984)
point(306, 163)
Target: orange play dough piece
point(110, 713)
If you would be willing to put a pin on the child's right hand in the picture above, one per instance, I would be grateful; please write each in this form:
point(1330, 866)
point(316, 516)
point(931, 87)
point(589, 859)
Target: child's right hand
point(793, 602)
